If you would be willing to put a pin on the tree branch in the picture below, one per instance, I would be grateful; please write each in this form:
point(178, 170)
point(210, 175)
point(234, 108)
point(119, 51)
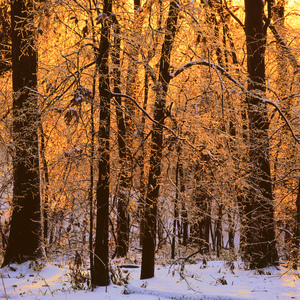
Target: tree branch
point(200, 147)
point(284, 45)
point(248, 93)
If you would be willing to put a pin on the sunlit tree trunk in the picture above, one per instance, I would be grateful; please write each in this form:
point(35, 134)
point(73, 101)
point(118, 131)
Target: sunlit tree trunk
point(24, 240)
point(101, 274)
point(258, 210)
point(148, 254)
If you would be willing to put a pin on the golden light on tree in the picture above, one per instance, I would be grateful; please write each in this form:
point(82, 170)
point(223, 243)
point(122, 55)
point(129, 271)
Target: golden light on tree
point(158, 126)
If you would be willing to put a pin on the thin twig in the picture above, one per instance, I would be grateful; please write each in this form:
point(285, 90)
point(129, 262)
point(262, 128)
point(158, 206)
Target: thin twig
point(200, 147)
point(248, 93)
point(5, 294)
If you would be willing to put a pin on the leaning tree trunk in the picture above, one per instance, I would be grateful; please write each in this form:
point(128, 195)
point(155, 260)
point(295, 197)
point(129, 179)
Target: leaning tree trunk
point(24, 240)
point(259, 209)
point(101, 274)
point(149, 242)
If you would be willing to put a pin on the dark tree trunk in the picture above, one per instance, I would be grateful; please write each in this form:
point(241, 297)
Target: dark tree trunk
point(295, 251)
point(91, 188)
point(211, 19)
point(219, 230)
point(258, 210)
point(141, 204)
point(176, 212)
point(101, 274)
point(125, 138)
point(148, 254)
point(202, 199)
point(123, 187)
point(184, 214)
point(231, 232)
point(47, 184)
point(126, 129)
point(24, 240)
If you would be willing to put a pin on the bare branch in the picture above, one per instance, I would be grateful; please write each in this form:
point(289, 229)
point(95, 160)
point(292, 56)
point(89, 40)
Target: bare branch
point(233, 15)
point(200, 147)
point(283, 44)
point(248, 93)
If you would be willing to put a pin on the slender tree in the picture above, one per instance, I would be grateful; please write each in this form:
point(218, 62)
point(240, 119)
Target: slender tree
point(258, 207)
point(149, 242)
point(5, 38)
point(122, 192)
point(24, 240)
point(101, 274)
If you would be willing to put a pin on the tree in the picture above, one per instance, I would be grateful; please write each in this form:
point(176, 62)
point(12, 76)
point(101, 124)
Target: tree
point(24, 242)
point(123, 185)
point(149, 242)
point(101, 275)
point(260, 248)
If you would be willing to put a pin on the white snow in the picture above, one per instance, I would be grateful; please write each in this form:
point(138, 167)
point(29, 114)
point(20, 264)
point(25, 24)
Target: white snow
point(198, 281)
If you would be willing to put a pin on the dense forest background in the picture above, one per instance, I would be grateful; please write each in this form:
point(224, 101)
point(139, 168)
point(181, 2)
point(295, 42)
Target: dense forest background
point(149, 126)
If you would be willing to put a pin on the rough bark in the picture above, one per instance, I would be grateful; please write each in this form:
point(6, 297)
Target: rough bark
point(258, 207)
point(123, 186)
point(24, 240)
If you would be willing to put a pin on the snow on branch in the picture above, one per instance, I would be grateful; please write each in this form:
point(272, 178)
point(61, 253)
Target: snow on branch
point(248, 93)
point(201, 147)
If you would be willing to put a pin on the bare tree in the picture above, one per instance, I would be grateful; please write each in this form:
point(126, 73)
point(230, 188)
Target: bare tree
point(148, 255)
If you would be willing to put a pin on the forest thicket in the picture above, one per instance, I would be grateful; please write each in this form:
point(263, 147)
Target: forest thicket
point(149, 126)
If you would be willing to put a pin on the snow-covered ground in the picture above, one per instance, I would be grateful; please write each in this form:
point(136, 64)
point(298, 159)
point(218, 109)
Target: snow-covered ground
point(211, 280)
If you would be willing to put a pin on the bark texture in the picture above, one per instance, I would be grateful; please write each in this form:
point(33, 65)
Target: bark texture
point(25, 232)
point(260, 245)
point(101, 274)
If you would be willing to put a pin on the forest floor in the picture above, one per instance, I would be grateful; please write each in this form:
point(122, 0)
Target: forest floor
point(196, 279)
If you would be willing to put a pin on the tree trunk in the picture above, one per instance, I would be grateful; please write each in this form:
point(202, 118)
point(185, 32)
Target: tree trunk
point(101, 274)
point(184, 214)
point(141, 204)
point(91, 188)
point(123, 186)
point(176, 213)
point(148, 254)
point(258, 210)
point(24, 240)
point(202, 199)
point(219, 230)
point(295, 251)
